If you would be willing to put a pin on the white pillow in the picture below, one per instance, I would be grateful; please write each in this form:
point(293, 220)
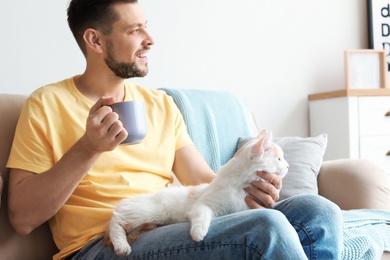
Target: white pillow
point(305, 156)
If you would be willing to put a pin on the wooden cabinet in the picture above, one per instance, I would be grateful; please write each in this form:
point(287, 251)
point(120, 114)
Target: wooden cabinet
point(357, 124)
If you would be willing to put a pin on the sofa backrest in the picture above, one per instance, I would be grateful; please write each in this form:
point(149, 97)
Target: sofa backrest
point(39, 244)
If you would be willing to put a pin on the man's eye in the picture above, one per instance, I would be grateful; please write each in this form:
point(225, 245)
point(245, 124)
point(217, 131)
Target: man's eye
point(136, 31)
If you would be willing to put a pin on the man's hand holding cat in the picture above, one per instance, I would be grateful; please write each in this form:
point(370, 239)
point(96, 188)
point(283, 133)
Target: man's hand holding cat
point(264, 193)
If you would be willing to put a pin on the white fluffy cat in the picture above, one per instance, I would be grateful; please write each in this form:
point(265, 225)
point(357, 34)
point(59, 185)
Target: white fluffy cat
point(198, 204)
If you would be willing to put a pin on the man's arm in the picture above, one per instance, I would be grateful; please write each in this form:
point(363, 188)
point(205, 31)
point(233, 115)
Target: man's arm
point(190, 168)
point(35, 198)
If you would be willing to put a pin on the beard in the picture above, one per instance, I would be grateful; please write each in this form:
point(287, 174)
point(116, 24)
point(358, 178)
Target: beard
point(123, 70)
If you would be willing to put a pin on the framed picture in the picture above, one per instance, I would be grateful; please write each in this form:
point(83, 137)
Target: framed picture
point(378, 14)
point(365, 69)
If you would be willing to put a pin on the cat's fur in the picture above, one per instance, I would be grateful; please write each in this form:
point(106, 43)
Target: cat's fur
point(198, 204)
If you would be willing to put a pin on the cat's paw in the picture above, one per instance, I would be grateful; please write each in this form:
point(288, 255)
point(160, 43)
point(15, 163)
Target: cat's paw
point(123, 249)
point(198, 232)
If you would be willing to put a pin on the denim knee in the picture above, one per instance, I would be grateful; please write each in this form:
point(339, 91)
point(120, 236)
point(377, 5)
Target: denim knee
point(311, 206)
point(271, 218)
point(318, 222)
point(272, 234)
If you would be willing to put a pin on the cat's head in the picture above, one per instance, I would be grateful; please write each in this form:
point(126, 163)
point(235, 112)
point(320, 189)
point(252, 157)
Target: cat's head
point(264, 154)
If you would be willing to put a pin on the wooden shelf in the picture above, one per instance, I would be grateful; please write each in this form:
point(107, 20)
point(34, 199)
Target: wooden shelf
point(350, 92)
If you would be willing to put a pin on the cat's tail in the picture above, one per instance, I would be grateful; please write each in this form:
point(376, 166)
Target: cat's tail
point(136, 232)
point(133, 234)
point(106, 238)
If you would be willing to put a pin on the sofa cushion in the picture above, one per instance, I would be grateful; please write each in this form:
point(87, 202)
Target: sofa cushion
point(305, 156)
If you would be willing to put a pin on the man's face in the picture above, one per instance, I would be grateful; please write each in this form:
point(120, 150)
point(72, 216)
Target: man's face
point(128, 44)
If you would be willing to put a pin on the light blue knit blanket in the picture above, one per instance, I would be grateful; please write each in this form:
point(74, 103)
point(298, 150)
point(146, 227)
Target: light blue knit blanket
point(366, 234)
point(216, 120)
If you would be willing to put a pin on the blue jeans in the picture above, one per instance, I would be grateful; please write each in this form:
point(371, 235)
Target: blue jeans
point(301, 227)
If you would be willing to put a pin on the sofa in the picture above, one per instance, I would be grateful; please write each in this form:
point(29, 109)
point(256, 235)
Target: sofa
point(351, 184)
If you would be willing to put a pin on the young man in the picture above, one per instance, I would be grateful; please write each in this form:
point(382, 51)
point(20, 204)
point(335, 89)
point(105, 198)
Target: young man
point(67, 166)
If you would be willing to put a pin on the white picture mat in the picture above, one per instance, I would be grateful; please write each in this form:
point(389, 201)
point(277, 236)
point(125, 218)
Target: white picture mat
point(364, 70)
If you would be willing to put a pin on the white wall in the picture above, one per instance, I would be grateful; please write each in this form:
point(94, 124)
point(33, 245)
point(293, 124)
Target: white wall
point(271, 53)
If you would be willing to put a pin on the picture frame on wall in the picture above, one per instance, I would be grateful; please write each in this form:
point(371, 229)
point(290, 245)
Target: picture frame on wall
point(378, 16)
point(365, 69)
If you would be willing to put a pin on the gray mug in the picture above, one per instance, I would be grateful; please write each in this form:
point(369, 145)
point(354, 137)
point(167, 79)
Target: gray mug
point(133, 117)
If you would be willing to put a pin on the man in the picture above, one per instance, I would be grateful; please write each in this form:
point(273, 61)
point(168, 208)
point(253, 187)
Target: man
point(67, 166)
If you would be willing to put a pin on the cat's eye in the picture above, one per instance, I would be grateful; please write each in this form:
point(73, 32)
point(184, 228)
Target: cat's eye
point(279, 159)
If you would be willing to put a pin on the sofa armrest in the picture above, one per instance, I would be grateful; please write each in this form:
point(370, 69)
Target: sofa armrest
point(39, 244)
point(354, 184)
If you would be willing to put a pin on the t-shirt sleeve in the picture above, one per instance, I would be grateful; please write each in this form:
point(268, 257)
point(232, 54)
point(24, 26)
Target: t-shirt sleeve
point(31, 150)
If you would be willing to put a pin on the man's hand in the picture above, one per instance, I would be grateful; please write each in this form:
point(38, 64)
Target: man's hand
point(264, 194)
point(104, 131)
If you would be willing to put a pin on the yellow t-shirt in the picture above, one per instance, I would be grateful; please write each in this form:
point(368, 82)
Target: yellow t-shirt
point(54, 118)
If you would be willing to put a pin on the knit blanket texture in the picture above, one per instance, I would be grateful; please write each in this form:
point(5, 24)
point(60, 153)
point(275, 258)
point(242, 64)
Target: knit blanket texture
point(215, 121)
point(366, 234)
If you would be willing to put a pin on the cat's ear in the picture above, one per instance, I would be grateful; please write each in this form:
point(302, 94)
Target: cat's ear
point(263, 144)
point(262, 134)
point(267, 140)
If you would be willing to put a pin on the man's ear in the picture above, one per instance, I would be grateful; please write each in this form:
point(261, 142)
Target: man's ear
point(93, 40)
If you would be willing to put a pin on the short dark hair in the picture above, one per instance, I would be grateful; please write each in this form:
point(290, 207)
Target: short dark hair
point(96, 14)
